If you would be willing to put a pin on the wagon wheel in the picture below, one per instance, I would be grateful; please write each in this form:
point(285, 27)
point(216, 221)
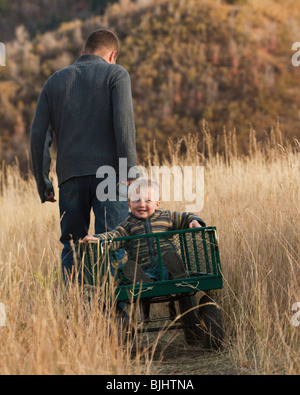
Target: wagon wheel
point(191, 319)
point(211, 323)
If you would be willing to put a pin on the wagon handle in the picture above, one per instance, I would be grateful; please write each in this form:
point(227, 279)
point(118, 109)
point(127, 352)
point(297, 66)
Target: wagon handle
point(143, 290)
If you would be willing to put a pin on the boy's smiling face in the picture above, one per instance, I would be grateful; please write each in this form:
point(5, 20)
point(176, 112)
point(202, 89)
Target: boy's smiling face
point(143, 205)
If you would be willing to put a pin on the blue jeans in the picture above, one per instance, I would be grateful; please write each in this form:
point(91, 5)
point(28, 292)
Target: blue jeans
point(152, 270)
point(77, 196)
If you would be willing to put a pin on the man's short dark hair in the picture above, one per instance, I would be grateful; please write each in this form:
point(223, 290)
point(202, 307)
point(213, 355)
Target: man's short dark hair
point(100, 40)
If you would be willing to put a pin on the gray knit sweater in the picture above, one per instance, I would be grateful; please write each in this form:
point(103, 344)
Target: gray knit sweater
point(89, 106)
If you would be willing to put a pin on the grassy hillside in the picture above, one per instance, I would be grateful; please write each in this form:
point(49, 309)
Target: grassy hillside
point(43, 15)
point(189, 60)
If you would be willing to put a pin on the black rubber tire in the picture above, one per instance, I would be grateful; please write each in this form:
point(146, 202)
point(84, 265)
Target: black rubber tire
point(211, 323)
point(193, 333)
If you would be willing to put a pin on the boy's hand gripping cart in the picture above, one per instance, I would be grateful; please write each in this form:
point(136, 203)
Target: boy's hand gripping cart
point(200, 317)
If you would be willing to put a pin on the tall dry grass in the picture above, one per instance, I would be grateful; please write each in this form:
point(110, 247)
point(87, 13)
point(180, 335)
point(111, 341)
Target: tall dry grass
point(253, 201)
point(51, 329)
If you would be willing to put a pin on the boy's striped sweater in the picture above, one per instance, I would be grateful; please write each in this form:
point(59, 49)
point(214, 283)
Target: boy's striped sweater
point(144, 250)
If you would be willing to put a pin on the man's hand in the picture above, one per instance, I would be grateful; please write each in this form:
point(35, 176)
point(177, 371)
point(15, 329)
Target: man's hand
point(90, 238)
point(194, 224)
point(51, 198)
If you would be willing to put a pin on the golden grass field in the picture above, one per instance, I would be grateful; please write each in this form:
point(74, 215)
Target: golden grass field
point(253, 201)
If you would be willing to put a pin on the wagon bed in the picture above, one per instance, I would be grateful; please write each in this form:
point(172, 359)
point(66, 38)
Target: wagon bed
point(199, 252)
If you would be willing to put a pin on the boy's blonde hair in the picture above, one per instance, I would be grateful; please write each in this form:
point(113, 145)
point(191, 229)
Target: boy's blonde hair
point(141, 185)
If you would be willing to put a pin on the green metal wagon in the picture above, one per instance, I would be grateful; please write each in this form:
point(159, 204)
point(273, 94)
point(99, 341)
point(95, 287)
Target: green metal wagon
point(189, 298)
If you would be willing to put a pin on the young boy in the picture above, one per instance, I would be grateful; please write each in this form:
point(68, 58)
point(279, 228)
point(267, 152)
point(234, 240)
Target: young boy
point(146, 217)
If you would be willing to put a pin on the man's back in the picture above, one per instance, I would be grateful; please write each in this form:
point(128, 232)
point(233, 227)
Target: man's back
point(90, 109)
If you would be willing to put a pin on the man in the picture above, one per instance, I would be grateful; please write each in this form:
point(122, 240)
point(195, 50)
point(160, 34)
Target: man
point(89, 106)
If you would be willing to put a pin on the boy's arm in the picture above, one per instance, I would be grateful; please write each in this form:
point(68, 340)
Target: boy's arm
point(185, 220)
point(119, 231)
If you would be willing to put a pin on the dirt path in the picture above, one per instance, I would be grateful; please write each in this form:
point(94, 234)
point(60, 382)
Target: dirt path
point(174, 357)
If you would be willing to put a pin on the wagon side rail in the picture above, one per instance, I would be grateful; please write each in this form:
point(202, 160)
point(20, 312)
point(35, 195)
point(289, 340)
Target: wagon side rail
point(198, 248)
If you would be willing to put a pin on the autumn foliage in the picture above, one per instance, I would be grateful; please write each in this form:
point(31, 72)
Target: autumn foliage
point(225, 62)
